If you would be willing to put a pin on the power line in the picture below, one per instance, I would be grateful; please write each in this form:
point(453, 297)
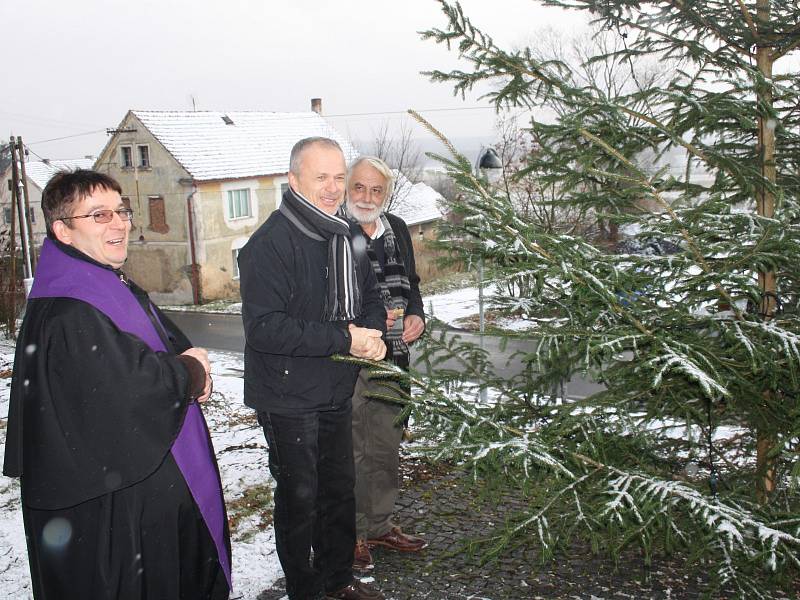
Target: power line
point(31, 150)
point(363, 114)
point(66, 137)
point(43, 159)
point(44, 119)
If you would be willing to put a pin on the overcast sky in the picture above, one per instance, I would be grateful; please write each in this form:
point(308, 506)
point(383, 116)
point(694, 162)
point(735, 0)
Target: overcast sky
point(77, 66)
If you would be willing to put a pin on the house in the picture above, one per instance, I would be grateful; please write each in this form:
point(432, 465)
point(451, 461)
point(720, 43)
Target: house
point(200, 183)
point(422, 208)
point(38, 173)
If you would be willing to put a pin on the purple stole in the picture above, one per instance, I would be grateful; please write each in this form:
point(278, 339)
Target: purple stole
point(59, 275)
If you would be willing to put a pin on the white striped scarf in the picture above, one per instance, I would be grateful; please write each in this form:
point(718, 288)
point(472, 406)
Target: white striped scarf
point(343, 301)
point(394, 286)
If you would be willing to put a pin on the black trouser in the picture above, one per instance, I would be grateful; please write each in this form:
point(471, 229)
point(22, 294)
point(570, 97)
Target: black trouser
point(311, 460)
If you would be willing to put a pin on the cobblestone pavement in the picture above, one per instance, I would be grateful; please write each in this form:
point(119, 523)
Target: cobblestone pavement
point(436, 503)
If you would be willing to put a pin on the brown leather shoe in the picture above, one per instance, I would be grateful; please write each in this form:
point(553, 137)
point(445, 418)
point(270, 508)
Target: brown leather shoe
point(356, 590)
point(362, 559)
point(395, 539)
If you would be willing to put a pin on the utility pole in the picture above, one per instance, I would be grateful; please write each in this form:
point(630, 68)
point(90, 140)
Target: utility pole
point(11, 303)
point(28, 211)
point(16, 198)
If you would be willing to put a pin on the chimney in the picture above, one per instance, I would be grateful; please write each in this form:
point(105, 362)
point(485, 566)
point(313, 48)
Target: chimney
point(316, 105)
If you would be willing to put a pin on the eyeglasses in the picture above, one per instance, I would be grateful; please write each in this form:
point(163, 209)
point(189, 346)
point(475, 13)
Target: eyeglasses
point(105, 216)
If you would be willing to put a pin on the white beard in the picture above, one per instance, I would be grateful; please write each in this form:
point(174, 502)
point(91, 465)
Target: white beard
point(364, 215)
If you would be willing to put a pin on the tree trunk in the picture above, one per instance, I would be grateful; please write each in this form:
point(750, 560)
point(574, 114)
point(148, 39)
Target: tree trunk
point(765, 203)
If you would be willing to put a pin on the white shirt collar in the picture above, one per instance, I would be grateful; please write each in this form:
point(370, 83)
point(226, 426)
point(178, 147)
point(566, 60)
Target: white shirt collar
point(379, 230)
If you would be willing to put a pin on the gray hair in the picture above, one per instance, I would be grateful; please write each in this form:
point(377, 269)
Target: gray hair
point(296, 156)
point(381, 167)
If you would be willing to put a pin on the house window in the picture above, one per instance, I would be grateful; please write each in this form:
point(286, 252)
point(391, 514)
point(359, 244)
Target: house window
point(144, 156)
point(158, 214)
point(7, 215)
point(239, 204)
point(126, 157)
point(421, 233)
point(235, 270)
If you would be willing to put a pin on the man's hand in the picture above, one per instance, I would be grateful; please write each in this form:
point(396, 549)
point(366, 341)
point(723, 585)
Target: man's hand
point(207, 389)
point(366, 343)
point(201, 354)
point(413, 326)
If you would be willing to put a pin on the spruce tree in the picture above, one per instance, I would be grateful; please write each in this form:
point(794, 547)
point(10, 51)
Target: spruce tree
point(693, 444)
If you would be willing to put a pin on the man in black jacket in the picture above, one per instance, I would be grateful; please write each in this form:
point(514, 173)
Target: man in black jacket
point(306, 296)
point(376, 432)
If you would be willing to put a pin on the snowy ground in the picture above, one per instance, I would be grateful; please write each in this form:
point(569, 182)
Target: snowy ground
point(242, 457)
point(241, 451)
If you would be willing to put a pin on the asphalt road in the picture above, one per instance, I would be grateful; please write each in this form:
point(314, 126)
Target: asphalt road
point(225, 332)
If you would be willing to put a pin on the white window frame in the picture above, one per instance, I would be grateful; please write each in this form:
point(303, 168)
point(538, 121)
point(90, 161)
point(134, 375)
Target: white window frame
point(234, 204)
point(236, 247)
point(139, 157)
point(278, 184)
point(235, 253)
point(122, 149)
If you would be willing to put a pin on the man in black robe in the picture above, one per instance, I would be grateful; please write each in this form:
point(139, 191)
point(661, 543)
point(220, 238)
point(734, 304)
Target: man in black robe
point(121, 497)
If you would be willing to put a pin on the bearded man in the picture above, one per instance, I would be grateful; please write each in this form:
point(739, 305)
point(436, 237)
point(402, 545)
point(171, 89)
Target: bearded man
point(376, 431)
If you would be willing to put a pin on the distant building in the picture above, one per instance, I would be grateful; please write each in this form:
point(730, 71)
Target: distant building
point(200, 183)
point(422, 208)
point(38, 174)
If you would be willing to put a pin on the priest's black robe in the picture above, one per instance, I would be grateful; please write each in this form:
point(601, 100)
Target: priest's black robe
point(93, 415)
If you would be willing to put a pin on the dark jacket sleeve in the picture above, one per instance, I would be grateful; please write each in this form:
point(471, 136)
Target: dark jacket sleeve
point(176, 337)
point(100, 410)
point(415, 305)
point(174, 340)
point(268, 280)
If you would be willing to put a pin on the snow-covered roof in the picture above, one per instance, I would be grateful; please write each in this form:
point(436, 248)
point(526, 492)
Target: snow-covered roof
point(40, 172)
point(416, 202)
point(214, 145)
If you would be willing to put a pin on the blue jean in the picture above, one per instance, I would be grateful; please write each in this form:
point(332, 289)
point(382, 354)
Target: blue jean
point(311, 460)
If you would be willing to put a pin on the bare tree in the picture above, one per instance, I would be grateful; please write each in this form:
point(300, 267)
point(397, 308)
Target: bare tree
point(595, 60)
point(537, 199)
point(401, 153)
